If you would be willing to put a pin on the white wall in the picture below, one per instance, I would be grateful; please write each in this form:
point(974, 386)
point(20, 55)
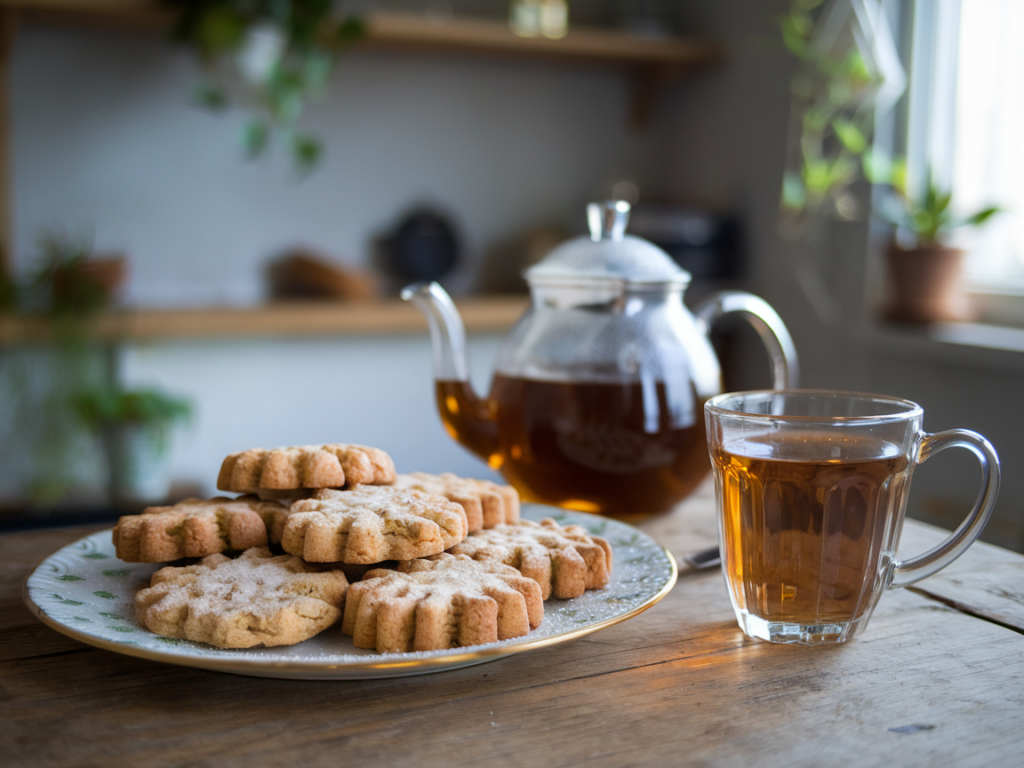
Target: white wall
point(372, 390)
point(105, 141)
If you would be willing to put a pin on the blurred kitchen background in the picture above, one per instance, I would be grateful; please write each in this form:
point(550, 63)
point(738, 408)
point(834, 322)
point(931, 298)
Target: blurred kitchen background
point(259, 295)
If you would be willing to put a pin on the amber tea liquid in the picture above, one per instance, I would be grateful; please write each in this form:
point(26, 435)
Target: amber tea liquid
point(597, 447)
point(808, 540)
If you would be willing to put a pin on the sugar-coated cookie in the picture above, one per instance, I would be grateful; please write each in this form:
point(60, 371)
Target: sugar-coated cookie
point(370, 524)
point(333, 465)
point(564, 560)
point(196, 528)
point(487, 504)
point(445, 601)
point(255, 599)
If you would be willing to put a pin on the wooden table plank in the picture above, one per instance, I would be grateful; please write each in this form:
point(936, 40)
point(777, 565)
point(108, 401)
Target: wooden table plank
point(986, 581)
point(925, 684)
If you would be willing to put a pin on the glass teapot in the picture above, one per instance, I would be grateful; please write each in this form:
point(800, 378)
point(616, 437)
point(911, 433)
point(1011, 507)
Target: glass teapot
point(597, 402)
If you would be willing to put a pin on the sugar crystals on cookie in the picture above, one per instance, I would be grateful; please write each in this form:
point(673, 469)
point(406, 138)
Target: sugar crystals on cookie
point(564, 560)
point(196, 528)
point(255, 599)
point(370, 524)
point(332, 465)
point(487, 504)
point(445, 601)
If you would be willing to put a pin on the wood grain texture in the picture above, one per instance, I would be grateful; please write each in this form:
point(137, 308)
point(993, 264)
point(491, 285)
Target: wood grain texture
point(924, 685)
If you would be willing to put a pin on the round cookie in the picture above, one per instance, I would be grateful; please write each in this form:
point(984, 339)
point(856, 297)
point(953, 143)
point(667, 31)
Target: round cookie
point(255, 599)
point(332, 465)
point(445, 601)
point(564, 560)
point(196, 528)
point(487, 504)
point(370, 524)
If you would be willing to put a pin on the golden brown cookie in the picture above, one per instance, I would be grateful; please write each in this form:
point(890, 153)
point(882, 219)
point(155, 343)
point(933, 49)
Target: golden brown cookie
point(564, 560)
point(334, 465)
point(196, 528)
point(255, 599)
point(370, 524)
point(445, 601)
point(487, 504)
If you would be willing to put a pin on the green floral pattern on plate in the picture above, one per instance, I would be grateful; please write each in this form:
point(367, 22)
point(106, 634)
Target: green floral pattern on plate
point(84, 591)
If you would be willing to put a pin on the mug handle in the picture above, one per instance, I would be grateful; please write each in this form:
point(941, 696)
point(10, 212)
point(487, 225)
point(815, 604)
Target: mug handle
point(937, 558)
point(767, 323)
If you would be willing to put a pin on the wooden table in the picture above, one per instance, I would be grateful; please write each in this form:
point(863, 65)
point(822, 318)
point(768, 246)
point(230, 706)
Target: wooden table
point(937, 679)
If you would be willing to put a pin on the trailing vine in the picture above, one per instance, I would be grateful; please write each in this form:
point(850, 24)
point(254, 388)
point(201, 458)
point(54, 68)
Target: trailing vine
point(270, 58)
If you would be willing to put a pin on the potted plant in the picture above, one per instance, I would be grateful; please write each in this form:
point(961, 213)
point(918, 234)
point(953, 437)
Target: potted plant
point(925, 273)
point(135, 427)
point(51, 354)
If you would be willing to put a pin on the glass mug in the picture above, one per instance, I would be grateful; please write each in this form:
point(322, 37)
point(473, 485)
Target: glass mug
point(811, 489)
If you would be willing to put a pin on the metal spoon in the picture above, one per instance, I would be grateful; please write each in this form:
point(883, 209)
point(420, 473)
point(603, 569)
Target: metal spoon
point(706, 558)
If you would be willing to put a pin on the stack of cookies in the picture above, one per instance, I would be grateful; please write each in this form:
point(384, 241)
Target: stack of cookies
point(407, 562)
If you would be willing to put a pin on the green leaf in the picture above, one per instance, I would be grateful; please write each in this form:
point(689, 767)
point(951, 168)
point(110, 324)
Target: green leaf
point(69, 577)
point(105, 406)
point(211, 97)
point(979, 218)
point(97, 556)
point(793, 37)
point(306, 153)
point(850, 135)
point(106, 595)
point(255, 138)
point(351, 30)
point(123, 572)
point(877, 166)
point(64, 601)
point(221, 29)
point(113, 616)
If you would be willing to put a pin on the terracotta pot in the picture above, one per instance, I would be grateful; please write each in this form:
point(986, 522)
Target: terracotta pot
point(925, 285)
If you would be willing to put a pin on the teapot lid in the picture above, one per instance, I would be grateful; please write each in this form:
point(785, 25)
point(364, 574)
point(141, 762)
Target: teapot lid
point(608, 254)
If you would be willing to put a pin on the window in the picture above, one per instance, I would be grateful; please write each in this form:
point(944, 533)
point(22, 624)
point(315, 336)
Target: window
point(966, 121)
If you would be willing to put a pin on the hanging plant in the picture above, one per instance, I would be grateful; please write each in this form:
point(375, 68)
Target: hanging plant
point(269, 57)
point(848, 73)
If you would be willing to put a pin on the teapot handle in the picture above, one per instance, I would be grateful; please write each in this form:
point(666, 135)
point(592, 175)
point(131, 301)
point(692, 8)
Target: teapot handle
point(767, 323)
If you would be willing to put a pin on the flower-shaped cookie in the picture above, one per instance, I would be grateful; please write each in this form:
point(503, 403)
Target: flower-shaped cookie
point(445, 601)
point(196, 528)
point(564, 560)
point(487, 504)
point(370, 524)
point(334, 465)
point(256, 599)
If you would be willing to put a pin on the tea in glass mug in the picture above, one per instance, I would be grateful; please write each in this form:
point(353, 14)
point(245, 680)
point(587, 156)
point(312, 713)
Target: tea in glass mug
point(811, 489)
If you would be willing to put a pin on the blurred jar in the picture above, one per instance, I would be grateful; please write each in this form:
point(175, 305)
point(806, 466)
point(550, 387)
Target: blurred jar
point(529, 18)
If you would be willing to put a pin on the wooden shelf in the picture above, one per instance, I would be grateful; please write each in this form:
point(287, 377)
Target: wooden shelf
point(488, 36)
point(490, 314)
point(416, 32)
point(652, 61)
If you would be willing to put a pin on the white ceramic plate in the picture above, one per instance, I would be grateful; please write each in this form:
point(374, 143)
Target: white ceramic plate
point(85, 592)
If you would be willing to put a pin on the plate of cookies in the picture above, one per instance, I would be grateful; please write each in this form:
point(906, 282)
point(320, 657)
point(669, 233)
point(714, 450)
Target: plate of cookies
point(328, 564)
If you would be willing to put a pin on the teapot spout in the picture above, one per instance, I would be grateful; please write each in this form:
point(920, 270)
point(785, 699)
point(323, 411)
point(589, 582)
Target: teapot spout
point(447, 333)
point(468, 419)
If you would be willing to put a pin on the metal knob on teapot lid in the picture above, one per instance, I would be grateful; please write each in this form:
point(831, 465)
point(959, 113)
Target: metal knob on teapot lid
point(608, 254)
